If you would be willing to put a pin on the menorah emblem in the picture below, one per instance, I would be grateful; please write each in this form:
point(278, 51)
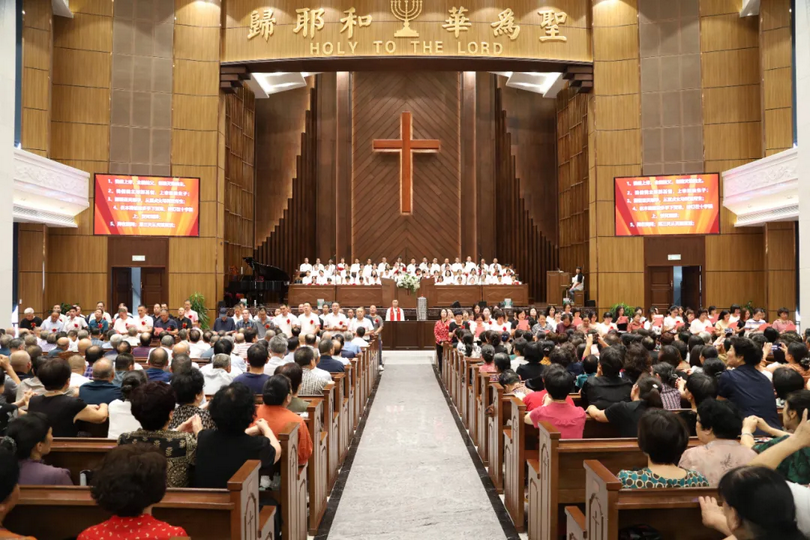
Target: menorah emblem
point(406, 14)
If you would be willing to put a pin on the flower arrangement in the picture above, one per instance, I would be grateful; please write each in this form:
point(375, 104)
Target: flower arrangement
point(409, 282)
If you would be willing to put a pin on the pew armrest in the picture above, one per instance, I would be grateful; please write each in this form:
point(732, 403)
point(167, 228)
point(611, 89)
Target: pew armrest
point(575, 523)
point(267, 523)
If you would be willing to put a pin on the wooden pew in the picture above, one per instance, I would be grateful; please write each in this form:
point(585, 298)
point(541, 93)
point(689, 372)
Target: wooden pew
point(331, 417)
point(473, 388)
point(495, 426)
point(293, 495)
point(318, 466)
point(214, 514)
point(341, 407)
point(482, 401)
point(675, 513)
point(515, 453)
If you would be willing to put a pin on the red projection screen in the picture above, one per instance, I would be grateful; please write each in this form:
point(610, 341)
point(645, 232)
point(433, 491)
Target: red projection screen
point(667, 205)
point(146, 206)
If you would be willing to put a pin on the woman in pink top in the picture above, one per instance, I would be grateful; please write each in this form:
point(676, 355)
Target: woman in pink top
point(567, 418)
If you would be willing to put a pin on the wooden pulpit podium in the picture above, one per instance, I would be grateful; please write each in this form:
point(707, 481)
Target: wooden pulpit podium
point(556, 281)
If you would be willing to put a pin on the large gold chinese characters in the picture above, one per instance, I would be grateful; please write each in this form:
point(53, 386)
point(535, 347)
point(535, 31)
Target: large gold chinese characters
point(282, 29)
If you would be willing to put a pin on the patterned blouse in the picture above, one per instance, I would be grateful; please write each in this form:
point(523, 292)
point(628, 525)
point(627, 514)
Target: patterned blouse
point(796, 467)
point(180, 449)
point(184, 412)
point(441, 332)
point(645, 478)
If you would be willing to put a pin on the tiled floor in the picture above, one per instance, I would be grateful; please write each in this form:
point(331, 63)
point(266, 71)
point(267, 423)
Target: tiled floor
point(412, 477)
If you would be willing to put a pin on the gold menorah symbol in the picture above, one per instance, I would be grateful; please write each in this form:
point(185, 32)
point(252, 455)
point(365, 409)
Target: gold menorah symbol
point(406, 14)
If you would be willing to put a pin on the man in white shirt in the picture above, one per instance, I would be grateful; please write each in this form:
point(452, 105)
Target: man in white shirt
point(308, 321)
point(368, 269)
point(359, 339)
point(469, 266)
point(58, 308)
point(354, 269)
point(456, 266)
point(423, 266)
point(286, 320)
point(104, 315)
point(335, 320)
point(321, 278)
point(306, 267)
point(360, 320)
point(307, 279)
point(394, 313)
point(143, 322)
point(52, 324)
point(217, 374)
point(483, 267)
point(74, 322)
point(197, 345)
point(382, 266)
point(434, 266)
point(411, 268)
point(278, 349)
point(190, 313)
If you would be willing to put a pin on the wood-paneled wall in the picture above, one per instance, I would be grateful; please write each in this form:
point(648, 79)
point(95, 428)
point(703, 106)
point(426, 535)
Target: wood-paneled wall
point(240, 121)
point(572, 180)
point(775, 46)
point(294, 236)
point(76, 266)
point(36, 83)
point(36, 138)
point(378, 228)
point(732, 133)
point(521, 241)
point(780, 267)
point(532, 123)
point(614, 149)
point(198, 150)
point(280, 121)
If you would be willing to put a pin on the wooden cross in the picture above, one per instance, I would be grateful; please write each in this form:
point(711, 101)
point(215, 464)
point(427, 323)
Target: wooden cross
point(407, 146)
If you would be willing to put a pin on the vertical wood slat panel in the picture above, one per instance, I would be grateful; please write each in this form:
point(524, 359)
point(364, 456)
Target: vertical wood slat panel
point(294, 237)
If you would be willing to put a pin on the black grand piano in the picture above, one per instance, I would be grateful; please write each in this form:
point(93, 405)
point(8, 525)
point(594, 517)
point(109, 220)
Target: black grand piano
point(267, 283)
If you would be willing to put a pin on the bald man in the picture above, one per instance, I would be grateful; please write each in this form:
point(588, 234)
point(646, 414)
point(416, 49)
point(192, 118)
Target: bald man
point(62, 345)
point(84, 344)
point(10, 367)
point(78, 365)
point(101, 389)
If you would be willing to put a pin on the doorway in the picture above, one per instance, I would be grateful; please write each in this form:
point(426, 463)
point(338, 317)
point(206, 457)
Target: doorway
point(675, 285)
point(133, 286)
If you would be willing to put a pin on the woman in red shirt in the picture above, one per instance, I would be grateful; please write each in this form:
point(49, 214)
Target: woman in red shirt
point(442, 334)
point(131, 479)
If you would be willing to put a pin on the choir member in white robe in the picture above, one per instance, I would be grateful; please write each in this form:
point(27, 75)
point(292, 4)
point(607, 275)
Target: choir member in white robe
point(382, 266)
point(374, 279)
point(306, 267)
point(483, 267)
point(317, 267)
point(411, 268)
point(457, 267)
point(495, 266)
point(490, 280)
point(434, 266)
point(307, 279)
point(507, 279)
point(321, 279)
point(368, 269)
point(354, 269)
point(341, 266)
point(329, 269)
point(424, 266)
point(469, 266)
point(472, 279)
point(459, 281)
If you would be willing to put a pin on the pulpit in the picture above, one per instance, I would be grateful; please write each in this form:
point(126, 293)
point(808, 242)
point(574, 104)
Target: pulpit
point(556, 282)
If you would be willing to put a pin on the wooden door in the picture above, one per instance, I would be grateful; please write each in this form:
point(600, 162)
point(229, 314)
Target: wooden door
point(121, 289)
point(153, 281)
point(660, 287)
point(690, 287)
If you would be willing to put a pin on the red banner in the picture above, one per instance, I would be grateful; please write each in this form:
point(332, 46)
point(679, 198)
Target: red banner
point(146, 206)
point(664, 205)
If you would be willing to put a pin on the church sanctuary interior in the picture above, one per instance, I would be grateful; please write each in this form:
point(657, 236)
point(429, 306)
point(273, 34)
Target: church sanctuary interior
point(389, 269)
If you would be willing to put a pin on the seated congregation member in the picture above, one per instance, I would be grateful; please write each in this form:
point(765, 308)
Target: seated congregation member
point(222, 451)
point(590, 365)
point(608, 387)
point(62, 410)
point(663, 438)
point(670, 396)
point(557, 408)
point(785, 382)
point(158, 362)
point(276, 397)
point(560, 358)
point(129, 482)
point(312, 382)
point(255, 377)
point(796, 358)
point(359, 340)
point(9, 491)
point(188, 389)
point(153, 405)
point(326, 362)
point(33, 436)
point(102, 389)
point(746, 386)
point(294, 373)
point(532, 371)
point(719, 425)
point(636, 361)
point(224, 323)
point(278, 349)
point(120, 410)
point(217, 374)
point(145, 345)
point(796, 466)
point(625, 415)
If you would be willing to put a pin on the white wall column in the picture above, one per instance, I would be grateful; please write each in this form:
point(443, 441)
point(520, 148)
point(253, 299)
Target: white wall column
point(802, 18)
point(8, 62)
